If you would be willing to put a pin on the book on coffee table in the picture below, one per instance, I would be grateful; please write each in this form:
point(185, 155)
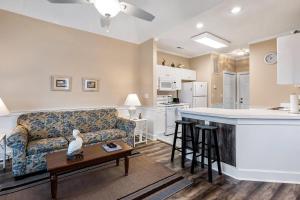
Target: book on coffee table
point(109, 149)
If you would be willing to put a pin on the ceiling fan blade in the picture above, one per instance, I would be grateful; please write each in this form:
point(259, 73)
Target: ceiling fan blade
point(69, 1)
point(132, 10)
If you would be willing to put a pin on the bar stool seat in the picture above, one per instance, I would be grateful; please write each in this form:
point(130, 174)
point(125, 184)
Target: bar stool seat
point(206, 127)
point(183, 122)
point(184, 139)
point(209, 131)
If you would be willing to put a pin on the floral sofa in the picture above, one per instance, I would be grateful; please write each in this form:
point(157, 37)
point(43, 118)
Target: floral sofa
point(38, 134)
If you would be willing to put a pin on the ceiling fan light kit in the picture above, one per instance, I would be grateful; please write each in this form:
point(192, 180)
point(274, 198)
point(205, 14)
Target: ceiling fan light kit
point(111, 8)
point(107, 8)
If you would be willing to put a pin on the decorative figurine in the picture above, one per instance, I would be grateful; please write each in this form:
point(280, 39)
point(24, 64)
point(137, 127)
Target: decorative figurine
point(172, 65)
point(163, 62)
point(140, 116)
point(75, 147)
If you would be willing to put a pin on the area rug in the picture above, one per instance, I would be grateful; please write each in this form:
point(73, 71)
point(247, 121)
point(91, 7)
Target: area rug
point(105, 182)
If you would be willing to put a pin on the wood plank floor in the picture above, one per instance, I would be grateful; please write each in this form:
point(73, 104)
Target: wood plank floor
point(223, 187)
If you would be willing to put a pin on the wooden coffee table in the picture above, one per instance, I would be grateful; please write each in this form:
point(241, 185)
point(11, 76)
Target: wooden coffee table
point(58, 164)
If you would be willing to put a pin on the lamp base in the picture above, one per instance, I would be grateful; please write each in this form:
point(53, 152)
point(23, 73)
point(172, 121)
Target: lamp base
point(132, 112)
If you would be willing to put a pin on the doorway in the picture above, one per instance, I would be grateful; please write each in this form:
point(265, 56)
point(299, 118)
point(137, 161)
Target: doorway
point(243, 90)
point(229, 90)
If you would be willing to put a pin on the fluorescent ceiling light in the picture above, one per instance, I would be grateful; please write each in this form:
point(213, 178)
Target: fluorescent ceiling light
point(199, 25)
point(210, 40)
point(235, 10)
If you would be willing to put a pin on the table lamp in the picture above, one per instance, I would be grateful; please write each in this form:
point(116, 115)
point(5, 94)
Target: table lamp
point(132, 101)
point(3, 109)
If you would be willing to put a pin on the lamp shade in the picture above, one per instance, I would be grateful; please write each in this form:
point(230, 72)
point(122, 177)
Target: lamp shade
point(288, 60)
point(132, 100)
point(3, 109)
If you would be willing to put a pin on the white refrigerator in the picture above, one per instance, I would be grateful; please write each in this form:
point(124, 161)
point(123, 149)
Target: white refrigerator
point(194, 93)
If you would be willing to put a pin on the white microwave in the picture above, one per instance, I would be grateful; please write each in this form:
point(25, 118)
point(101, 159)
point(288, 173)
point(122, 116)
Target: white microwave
point(167, 85)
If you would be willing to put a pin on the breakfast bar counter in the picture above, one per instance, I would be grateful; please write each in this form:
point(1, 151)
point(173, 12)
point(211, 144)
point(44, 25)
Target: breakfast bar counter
point(256, 144)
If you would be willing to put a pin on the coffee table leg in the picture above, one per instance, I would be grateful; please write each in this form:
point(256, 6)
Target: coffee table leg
point(126, 165)
point(118, 162)
point(53, 179)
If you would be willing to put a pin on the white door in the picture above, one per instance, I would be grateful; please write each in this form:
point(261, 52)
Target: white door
point(229, 90)
point(243, 90)
point(199, 89)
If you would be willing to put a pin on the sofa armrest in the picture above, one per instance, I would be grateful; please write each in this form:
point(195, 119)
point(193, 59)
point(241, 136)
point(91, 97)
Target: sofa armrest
point(126, 125)
point(18, 139)
point(18, 142)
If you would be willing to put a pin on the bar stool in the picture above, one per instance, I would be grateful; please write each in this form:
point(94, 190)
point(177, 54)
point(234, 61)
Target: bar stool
point(208, 131)
point(184, 139)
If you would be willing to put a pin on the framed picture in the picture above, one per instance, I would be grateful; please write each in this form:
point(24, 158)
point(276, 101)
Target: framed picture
point(61, 83)
point(90, 85)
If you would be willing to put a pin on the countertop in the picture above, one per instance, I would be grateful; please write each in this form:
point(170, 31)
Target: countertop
point(172, 105)
point(242, 113)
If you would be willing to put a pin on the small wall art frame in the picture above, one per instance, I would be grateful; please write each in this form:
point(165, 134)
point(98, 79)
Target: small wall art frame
point(61, 83)
point(90, 85)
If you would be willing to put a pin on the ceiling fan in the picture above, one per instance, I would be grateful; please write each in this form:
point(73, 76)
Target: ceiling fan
point(110, 8)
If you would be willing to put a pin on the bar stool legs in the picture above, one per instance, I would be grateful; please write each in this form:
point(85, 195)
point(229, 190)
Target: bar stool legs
point(217, 151)
point(183, 145)
point(209, 158)
point(184, 140)
point(174, 142)
point(202, 147)
point(208, 134)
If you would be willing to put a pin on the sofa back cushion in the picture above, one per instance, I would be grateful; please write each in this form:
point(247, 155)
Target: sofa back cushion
point(89, 121)
point(42, 125)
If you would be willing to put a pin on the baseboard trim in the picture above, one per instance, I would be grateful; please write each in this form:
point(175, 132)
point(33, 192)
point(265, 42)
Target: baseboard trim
point(272, 176)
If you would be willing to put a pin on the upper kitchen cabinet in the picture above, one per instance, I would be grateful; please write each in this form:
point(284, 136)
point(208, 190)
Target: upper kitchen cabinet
point(176, 73)
point(288, 59)
point(186, 74)
point(166, 72)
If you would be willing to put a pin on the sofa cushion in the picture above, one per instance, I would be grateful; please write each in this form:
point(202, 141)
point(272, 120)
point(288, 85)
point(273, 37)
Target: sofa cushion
point(89, 121)
point(46, 145)
point(113, 134)
point(42, 125)
point(99, 136)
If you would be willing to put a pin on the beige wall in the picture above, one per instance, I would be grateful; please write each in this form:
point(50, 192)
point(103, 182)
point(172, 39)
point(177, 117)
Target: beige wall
point(204, 68)
point(172, 58)
point(147, 70)
point(264, 90)
point(225, 63)
point(31, 51)
point(210, 68)
point(242, 65)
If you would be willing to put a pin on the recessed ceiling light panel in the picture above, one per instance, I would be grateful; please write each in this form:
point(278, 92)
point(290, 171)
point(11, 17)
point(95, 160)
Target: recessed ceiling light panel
point(211, 40)
point(235, 10)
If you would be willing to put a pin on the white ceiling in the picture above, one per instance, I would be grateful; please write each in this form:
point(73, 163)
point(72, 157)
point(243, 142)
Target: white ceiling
point(258, 20)
point(175, 21)
point(85, 17)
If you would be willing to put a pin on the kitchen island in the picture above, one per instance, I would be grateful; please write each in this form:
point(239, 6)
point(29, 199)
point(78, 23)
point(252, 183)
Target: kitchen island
point(257, 144)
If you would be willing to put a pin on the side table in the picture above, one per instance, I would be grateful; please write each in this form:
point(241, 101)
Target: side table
point(140, 131)
point(3, 139)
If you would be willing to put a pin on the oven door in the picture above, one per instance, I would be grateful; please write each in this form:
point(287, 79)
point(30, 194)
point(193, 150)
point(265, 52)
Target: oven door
point(167, 85)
